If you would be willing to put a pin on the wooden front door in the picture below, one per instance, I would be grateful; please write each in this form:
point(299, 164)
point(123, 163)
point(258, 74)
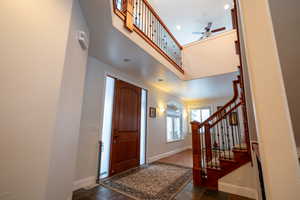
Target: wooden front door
point(125, 147)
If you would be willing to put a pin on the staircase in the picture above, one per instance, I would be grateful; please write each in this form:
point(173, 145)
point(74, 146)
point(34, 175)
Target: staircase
point(221, 143)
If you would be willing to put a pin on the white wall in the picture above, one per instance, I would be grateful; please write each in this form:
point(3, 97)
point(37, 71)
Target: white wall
point(34, 73)
point(192, 17)
point(213, 56)
point(91, 121)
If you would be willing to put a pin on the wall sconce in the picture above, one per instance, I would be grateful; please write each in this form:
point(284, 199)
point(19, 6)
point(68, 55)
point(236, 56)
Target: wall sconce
point(161, 109)
point(184, 113)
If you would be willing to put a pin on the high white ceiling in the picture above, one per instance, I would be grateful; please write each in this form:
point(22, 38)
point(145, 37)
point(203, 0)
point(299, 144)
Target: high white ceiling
point(193, 16)
point(110, 46)
point(204, 88)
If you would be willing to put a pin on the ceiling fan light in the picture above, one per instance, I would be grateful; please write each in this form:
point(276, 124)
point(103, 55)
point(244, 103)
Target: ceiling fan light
point(178, 27)
point(227, 6)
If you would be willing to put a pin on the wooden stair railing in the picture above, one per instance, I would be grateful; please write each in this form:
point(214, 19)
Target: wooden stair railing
point(140, 17)
point(223, 146)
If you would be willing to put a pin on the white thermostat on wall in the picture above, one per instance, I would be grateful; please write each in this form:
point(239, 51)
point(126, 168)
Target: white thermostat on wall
point(83, 40)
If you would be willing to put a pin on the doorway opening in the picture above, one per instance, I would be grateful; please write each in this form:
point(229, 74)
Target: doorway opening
point(116, 131)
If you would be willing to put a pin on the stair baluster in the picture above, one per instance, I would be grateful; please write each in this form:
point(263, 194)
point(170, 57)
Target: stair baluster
point(223, 145)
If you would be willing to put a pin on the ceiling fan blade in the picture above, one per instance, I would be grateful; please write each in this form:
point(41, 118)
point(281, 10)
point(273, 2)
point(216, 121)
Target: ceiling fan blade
point(197, 33)
point(218, 29)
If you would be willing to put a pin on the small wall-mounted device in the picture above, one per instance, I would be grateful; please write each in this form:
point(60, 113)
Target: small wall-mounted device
point(83, 40)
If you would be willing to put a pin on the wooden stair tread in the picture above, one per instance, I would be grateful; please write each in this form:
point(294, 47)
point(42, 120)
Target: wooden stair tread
point(240, 150)
point(227, 154)
point(214, 169)
point(227, 160)
point(222, 166)
point(241, 146)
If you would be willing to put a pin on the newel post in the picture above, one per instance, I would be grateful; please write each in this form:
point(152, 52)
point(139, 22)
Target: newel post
point(196, 144)
point(129, 14)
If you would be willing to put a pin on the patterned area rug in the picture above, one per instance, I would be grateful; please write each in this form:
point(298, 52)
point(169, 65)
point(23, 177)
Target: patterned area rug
point(157, 181)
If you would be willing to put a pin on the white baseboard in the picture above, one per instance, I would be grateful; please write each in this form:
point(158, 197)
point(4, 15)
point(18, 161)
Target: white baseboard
point(84, 183)
point(238, 190)
point(167, 154)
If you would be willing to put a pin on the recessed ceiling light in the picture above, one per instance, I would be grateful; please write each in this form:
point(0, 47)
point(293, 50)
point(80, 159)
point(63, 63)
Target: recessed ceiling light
point(126, 59)
point(227, 6)
point(178, 27)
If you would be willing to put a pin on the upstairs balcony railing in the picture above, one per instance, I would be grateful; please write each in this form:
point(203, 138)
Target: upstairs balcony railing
point(140, 17)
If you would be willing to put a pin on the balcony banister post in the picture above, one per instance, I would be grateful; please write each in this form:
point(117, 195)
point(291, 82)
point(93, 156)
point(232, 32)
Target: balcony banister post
point(140, 17)
point(196, 144)
point(124, 5)
point(129, 14)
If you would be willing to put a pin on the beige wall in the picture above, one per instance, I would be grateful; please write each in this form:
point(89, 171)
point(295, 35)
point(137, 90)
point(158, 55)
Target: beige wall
point(213, 56)
point(157, 136)
point(241, 181)
point(248, 93)
point(254, 174)
point(286, 20)
point(91, 121)
point(249, 103)
point(201, 103)
point(212, 103)
point(38, 76)
point(274, 129)
point(65, 139)
point(32, 62)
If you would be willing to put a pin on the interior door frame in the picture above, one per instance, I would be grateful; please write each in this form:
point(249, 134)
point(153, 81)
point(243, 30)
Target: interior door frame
point(111, 133)
point(115, 125)
point(146, 126)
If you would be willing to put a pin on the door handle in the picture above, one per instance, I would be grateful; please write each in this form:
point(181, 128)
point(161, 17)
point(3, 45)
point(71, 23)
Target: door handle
point(115, 137)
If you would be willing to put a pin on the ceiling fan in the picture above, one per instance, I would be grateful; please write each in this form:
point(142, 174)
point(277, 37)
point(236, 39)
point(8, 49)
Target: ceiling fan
point(208, 31)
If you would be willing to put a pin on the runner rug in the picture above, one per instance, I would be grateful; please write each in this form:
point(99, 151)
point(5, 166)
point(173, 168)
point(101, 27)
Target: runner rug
point(156, 181)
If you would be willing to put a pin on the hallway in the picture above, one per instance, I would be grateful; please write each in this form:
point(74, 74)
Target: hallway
point(188, 193)
point(184, 158)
